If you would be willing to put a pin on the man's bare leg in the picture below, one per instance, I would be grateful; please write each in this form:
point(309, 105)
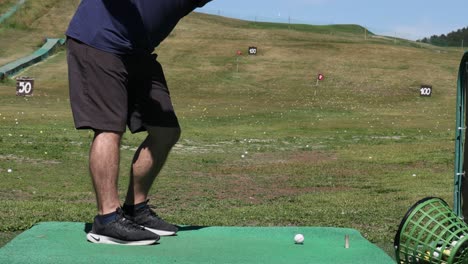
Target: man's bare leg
point(104, 158)
point(110, 226)
point(149, 160)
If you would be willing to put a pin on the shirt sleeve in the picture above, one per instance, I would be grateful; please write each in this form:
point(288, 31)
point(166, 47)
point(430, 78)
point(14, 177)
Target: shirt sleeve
point(203, 2)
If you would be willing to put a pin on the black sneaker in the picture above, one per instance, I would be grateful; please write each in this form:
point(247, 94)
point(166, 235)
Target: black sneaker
point(120, 231)
point(147, 218)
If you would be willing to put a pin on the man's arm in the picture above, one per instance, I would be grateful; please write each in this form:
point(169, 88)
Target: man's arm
point(202, 2)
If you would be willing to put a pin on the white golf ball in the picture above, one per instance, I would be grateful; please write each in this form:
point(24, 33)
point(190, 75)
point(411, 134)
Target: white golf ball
point(299, 239)
point(9, 170)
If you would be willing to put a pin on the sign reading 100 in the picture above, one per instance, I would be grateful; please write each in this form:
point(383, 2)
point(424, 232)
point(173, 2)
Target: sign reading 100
point(426, 90)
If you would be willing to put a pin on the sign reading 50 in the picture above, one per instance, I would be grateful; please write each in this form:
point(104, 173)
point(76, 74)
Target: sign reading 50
point(24, 86)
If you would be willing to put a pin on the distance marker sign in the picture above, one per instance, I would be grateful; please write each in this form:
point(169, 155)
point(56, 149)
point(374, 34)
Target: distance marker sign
point(24, 86)
point(426, 90)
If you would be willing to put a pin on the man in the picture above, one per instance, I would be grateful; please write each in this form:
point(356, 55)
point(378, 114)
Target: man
point(115, 82)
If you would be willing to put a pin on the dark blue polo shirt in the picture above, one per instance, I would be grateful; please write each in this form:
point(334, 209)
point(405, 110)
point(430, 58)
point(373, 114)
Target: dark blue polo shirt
point(128, 26)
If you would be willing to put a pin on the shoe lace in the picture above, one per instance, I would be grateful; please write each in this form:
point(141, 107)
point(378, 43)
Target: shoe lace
point(151, 212)
point(129, 223)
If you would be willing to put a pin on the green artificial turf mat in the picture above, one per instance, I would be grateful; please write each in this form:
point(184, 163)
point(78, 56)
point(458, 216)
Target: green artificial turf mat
point(65, 242)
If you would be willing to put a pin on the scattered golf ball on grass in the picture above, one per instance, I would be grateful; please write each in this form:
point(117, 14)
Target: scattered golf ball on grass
point(299, 239)
point(9, 170)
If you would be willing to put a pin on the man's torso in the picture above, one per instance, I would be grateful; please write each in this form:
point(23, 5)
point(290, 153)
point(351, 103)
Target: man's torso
point(128, 26)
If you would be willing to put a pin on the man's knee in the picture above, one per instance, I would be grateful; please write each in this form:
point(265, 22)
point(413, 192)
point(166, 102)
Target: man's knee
point(107, 135)
point(167, 136)
point(176, 132)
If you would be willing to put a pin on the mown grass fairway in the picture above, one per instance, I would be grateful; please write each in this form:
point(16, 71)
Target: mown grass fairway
point(262, 145)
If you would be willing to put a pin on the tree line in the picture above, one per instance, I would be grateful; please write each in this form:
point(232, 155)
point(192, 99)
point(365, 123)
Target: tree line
point(453, 39)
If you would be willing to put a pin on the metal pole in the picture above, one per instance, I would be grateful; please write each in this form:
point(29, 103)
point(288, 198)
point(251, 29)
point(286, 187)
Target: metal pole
point(460, 137)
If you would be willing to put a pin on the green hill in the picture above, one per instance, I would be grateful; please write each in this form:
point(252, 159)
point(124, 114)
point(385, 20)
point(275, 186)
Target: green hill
point(262, 143)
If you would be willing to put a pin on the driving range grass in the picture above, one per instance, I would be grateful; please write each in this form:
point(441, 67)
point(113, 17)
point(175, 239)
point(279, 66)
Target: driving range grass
point(262, 145)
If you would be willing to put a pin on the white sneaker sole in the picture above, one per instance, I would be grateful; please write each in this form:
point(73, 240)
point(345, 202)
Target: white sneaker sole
point(100, 239)
point(160, 232)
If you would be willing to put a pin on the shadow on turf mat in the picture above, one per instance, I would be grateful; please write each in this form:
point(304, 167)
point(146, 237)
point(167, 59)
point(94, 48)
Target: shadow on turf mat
point(190, 228)
point(88, 226)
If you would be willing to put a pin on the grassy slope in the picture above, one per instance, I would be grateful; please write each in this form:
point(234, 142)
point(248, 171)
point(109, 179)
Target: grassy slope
point(35, 21)
point(5, 5)
point(339, 154)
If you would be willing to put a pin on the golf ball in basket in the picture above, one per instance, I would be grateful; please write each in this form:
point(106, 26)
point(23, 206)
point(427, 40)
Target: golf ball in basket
point(299, 239)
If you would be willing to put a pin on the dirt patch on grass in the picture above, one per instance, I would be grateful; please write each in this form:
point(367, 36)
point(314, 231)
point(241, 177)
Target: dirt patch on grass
point(15, 194)
point(260, 178)
point(293, 157)
point(312, 156)
point(247, 189)
point(254, 182)
point(18, 159)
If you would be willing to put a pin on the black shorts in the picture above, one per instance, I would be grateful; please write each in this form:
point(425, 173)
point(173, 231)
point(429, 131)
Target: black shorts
point(109, 92)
